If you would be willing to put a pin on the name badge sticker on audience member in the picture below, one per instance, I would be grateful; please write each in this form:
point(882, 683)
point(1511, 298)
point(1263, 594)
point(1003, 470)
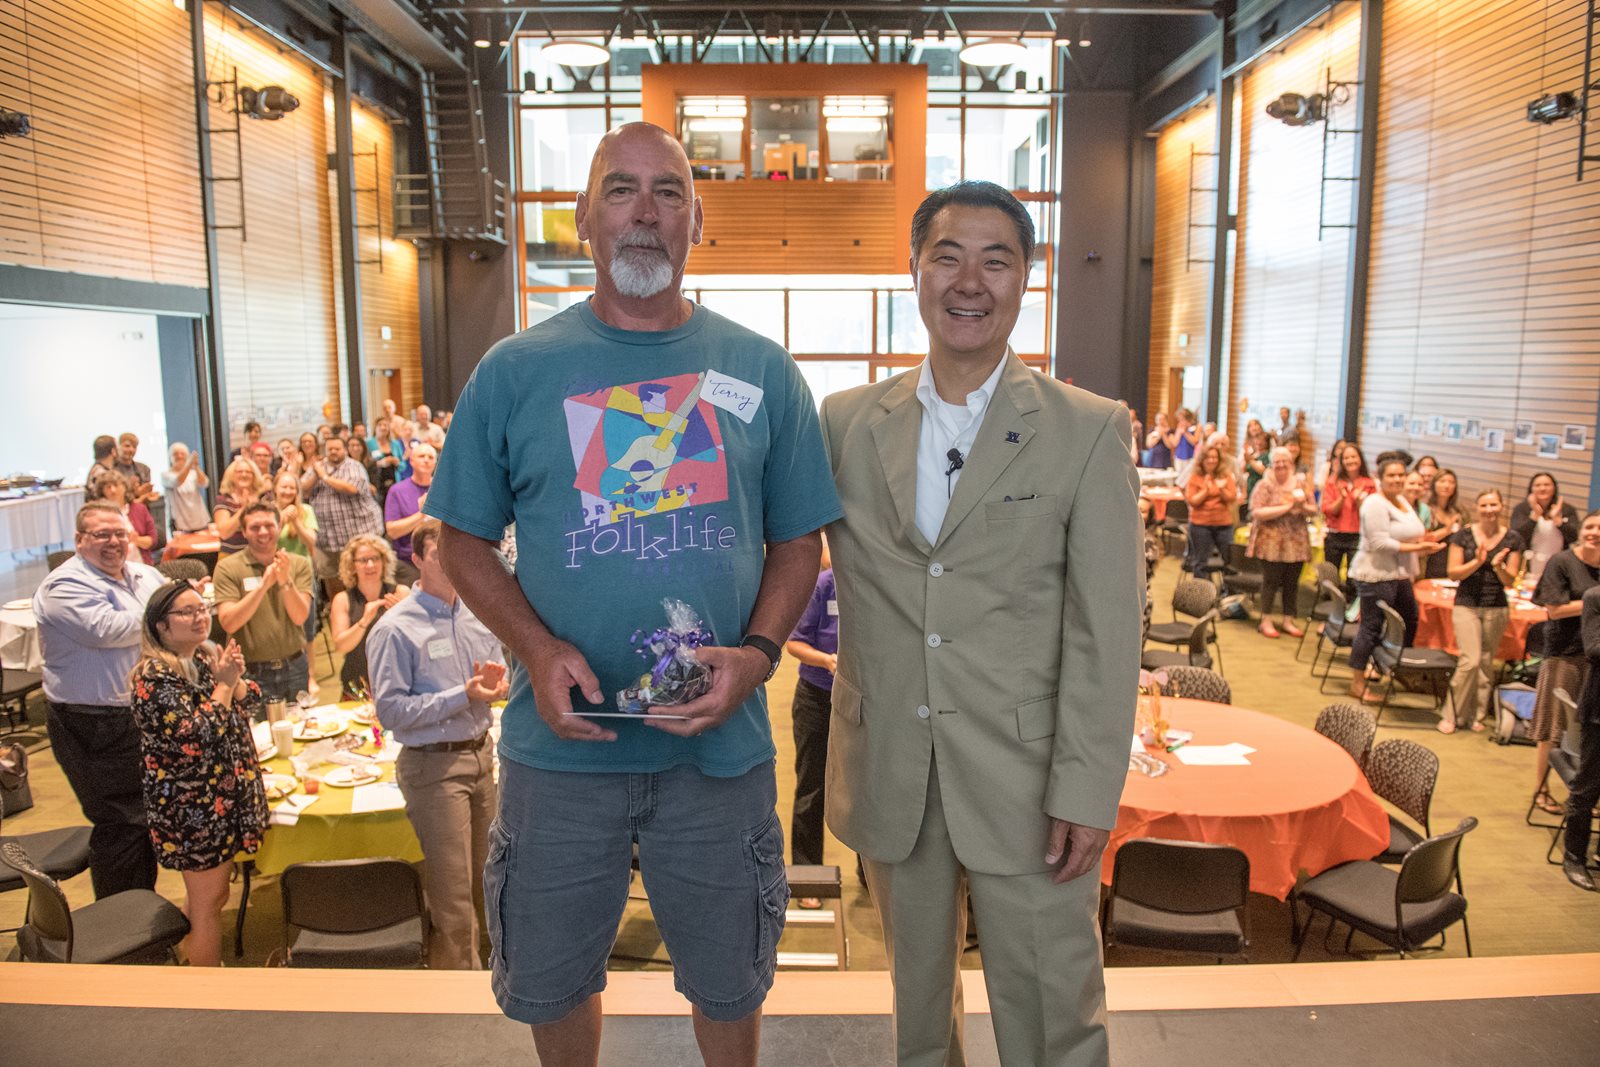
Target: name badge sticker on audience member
point(833, 607)
point(441, 648)
point(251, 584)
point(732, 395)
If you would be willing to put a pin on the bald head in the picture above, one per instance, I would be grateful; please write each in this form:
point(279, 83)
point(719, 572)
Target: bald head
point(640, 216)
point(621, 144)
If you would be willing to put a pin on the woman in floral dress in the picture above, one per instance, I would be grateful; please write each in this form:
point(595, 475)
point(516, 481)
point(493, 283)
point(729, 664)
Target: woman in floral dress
point(203, 794)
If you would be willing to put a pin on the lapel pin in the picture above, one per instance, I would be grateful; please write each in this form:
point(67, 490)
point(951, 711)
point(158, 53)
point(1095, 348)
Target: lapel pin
point(1013, 437)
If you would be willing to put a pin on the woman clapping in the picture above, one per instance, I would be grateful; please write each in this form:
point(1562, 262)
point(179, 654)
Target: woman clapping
point(1485, 557)
point(203, 795)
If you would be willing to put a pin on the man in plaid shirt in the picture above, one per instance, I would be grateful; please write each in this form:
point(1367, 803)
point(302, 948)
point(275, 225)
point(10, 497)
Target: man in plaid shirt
point(337, 489)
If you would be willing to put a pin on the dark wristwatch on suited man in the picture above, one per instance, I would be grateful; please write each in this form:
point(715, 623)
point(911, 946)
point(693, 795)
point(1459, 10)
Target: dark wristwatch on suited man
point(767, 648)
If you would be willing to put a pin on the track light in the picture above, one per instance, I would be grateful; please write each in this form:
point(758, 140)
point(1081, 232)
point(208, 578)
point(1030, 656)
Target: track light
point(575, 52)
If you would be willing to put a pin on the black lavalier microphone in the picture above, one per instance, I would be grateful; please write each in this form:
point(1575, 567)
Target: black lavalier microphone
point(957, 461)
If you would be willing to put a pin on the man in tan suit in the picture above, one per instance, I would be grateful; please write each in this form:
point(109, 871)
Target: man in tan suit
point(990, 585)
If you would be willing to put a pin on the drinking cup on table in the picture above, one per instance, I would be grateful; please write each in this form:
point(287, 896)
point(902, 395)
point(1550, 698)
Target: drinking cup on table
point(283, 737)
point(277, 710)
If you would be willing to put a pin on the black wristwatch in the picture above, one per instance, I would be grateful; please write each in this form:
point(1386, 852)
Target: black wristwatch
point(767, 649)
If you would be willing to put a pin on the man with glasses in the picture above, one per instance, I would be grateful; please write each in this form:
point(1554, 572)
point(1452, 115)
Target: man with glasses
point(263, 597)
point(90, 611)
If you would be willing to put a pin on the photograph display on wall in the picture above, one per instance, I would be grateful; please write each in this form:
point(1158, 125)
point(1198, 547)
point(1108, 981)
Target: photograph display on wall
point(1435, 425)
point(1453, 431)
point(1474, 429)
point(1398, 420)
point(1523, 433)
point(1416, 427)
point(1494, 440)
point(1575, 437)
point(1549, 446)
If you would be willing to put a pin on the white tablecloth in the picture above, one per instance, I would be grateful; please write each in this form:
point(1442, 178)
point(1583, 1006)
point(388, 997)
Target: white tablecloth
point(19, 640)
point(39, 519)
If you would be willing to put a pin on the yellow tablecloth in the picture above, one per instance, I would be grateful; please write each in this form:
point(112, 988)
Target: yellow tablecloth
point(329, 830)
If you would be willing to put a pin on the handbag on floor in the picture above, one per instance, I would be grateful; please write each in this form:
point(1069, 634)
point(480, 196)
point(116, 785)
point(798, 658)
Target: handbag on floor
point(15, 795)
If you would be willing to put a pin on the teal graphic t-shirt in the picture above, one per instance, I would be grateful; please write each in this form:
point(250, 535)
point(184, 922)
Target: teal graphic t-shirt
point(637, 467)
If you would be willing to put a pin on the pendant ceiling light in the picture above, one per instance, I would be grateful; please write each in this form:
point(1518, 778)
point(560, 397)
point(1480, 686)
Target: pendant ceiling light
point(575, 52)
point(993, 52)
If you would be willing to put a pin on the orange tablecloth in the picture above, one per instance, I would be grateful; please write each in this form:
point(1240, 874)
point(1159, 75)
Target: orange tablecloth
point(199, 543)
point(1159, 495)
point(1435, 629)
point(1301, 805)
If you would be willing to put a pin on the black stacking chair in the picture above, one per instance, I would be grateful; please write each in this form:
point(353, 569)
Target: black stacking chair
point(1350, 727)
point(1564, 762)
point(1324, 608)
point(1334, 631)
point(1404, 909)
point(136, 926)
point(1393, 656)
point(15, 688)
point(1181, 896)
point(1174, 529)
point(1193, 598)
point(354, 913)
point(1201, 635)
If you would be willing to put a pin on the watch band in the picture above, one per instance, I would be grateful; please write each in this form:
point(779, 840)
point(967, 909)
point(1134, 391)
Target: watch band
point(766, 648)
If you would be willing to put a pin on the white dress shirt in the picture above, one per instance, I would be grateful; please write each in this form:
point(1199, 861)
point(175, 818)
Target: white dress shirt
point(945, 426)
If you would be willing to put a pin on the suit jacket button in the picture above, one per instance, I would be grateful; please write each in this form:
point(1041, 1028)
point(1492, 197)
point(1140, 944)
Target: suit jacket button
point(936, 569)
point(934, 640)
point(922, 711)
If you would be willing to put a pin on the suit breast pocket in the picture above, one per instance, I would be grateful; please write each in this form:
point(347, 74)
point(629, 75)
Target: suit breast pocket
point(1029, 508)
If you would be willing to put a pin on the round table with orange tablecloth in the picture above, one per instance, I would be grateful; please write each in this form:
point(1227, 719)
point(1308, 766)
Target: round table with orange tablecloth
point(1301, 804)
point(1159, 496)
point(1436, 599)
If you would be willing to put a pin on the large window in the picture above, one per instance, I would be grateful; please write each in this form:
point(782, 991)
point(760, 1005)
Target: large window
point(842, 329)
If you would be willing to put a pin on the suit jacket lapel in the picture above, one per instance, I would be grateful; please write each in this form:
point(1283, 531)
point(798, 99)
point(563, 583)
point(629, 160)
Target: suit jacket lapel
point(1001, 439)
point(897, 433)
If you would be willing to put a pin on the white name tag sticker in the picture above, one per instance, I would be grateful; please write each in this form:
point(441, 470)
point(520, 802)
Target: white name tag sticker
point(441, 648)
point(732, 395)
point(833, 607)
point(251, 584)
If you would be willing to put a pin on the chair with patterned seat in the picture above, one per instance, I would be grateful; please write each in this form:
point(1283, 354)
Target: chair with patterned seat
point(1194, 599)
point(1404, 773)
point(1350, 727)
point(1197, 683)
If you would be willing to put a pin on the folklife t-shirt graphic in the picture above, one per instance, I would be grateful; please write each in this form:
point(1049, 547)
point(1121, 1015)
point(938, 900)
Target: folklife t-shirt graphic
point(646, 448)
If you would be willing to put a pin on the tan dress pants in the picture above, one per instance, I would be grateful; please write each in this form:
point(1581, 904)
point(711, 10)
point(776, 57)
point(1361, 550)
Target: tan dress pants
point(451, 800)
point(1478, 632)
point(1040, 944)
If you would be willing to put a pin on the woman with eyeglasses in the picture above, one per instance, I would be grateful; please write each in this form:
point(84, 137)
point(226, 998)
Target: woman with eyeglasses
point(366, 567)
point(203, 795)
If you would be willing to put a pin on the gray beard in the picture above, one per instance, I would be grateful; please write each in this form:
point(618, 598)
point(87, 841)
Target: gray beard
point(639, 275)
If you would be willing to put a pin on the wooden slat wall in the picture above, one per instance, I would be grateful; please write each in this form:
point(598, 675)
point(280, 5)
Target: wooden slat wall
point(799, 228)
point(1179, 291)
point(1288, 309)
point(1486, 253)
point(389, 295)
point(280, 356)
point(108, 183)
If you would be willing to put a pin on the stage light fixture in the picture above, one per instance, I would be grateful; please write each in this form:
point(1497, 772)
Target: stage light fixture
point(993, 52)
point(270, 102)
point(1551, 109)
point(1293, 109)
point(14, 123)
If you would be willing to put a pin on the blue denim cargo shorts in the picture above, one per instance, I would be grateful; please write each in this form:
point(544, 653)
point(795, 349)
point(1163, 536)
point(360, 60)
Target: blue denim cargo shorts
point(560, 860)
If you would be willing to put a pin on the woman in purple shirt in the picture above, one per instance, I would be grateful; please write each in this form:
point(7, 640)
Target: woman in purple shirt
point(815, 643)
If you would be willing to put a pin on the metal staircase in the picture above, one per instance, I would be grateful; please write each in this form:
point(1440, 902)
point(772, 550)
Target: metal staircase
point(459, 197)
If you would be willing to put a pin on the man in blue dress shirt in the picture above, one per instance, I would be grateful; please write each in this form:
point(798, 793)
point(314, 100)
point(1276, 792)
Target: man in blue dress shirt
point(91, 614)
point(435, 670)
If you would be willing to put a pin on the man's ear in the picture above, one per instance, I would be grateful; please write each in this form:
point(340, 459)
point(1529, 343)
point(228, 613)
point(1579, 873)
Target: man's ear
point(581, 216)
point(698, 229)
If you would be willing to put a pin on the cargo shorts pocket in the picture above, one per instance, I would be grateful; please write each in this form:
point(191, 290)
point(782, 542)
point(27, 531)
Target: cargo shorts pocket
point(772, 889)
point(496, 872)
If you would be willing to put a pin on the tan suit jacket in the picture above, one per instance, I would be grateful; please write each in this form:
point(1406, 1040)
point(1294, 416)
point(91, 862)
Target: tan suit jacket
point(1008, 650)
